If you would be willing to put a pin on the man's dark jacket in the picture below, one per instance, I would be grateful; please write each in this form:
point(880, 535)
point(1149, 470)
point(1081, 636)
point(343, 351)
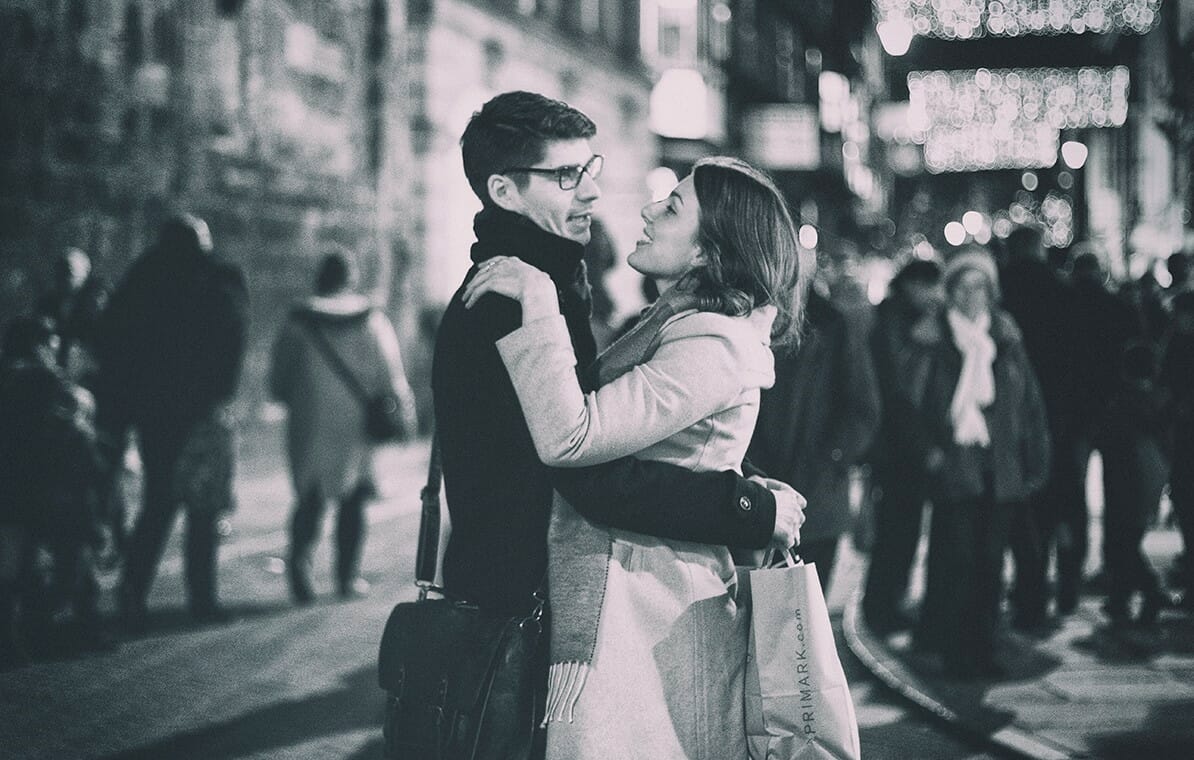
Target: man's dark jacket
point(499, 493)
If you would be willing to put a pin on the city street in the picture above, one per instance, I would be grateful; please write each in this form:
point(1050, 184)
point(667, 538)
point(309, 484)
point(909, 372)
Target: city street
point(284, 682)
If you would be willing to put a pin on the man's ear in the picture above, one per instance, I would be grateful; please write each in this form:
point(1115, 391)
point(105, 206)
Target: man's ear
point(504, 192)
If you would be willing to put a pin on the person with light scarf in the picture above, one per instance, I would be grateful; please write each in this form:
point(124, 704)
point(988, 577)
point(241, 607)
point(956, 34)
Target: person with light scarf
point(981, 405)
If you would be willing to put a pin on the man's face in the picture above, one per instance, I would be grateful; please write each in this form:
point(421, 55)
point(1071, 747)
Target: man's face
point(567, 213)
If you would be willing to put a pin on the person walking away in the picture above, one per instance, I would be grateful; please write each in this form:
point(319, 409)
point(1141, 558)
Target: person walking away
point(817, 421)
point(174, 335)
point(329, 452)
point(990, 452)
point(900, 481)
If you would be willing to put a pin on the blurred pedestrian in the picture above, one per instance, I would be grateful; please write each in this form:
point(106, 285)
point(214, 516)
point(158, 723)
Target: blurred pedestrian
point(817, 421)
point(990, 452)
point(1043, 307)
point(899, 480)
point(47, 493)
point(331, 457)
point(1177, 374)
point(174, 338)
point(75, 303)
point(1134, 447)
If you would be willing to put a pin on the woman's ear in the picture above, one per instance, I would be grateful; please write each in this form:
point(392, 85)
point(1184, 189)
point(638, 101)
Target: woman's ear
point(504, 192)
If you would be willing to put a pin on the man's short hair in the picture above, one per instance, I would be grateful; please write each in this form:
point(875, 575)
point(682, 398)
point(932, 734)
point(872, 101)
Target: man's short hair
point(513, 129)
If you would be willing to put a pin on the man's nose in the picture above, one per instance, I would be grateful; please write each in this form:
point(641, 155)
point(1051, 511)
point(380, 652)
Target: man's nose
point(588, 189)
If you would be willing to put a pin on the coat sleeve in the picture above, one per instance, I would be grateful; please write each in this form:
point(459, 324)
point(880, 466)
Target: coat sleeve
point(693, 374)
point(1035, 446)
point(668, 501)
point(391, 354)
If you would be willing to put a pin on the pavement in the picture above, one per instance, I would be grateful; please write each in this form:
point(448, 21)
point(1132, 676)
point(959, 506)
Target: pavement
point(1079, 689)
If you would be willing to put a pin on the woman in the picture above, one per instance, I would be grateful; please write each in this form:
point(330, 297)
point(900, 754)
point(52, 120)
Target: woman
point(647, 641)
point(982, 407)
point(330, 455)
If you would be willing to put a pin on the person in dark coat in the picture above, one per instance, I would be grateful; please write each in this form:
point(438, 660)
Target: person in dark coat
point(1177, 375)
point(899, 479)
point(983, 407)
point(816, 422)
point(1043, 306)
point(172, 342)
point(47, 493)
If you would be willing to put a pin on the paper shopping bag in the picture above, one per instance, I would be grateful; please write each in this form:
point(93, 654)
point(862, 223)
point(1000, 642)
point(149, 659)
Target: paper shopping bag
point(798, 704)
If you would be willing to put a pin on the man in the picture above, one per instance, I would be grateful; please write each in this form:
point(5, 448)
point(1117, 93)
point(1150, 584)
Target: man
point(898, 456)
point(1045, 308)
point(172, 342)
point(75, 303)
point(529, 160)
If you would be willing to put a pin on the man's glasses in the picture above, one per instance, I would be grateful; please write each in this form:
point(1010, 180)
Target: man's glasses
point(567, 176)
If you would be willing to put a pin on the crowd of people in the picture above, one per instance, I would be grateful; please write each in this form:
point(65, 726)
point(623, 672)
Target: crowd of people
point(153, 365)
point(1061, 365)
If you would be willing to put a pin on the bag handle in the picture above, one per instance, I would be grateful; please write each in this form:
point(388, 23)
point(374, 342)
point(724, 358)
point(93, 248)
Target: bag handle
point(336, 361)
point(791, 558)
point(427, 552)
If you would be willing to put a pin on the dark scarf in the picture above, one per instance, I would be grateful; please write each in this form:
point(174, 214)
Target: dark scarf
point(504, 233)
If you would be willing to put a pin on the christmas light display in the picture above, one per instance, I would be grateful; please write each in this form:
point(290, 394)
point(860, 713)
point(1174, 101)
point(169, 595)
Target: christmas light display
point(971, 19)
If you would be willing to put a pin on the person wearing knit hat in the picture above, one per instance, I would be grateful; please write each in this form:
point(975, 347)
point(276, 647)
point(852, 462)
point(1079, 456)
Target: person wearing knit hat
point(982, 408)
point(977, 258)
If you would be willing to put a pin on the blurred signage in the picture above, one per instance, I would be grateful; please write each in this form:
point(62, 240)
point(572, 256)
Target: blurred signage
point(782, 136)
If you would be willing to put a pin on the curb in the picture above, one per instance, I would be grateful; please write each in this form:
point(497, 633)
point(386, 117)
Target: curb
point(888, 669)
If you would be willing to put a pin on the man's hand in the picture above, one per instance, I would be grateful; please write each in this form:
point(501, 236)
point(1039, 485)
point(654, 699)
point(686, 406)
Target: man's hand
point(789, 512)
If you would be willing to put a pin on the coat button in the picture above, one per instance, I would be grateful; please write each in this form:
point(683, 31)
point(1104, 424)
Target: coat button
point(744, 504)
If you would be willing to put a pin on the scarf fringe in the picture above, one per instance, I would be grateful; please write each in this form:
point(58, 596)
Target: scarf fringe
point(565, 680)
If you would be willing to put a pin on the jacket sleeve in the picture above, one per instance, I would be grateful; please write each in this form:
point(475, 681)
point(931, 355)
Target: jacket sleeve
point(668, 501)
point(391, 354)
point(283, 367)
point(692, 375)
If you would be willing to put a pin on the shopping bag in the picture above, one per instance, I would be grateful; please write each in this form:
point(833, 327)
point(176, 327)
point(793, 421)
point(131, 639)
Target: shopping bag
point(797, 701)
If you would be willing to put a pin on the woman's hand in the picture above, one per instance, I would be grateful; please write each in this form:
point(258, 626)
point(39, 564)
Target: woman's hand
point(789, 512)
point(517, 279)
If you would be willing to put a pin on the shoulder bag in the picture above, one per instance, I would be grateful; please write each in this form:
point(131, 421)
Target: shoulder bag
point(383, 411)
point(460, 683)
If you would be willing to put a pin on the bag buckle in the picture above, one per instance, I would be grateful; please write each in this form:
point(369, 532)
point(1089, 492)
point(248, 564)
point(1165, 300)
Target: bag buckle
point(428, 587)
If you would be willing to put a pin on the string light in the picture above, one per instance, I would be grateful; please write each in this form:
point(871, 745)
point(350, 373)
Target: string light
point(970, 19)
point(977, 147)
point(1062, 98)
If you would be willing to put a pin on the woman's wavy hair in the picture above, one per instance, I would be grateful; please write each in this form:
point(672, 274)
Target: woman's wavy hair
point(749, 241)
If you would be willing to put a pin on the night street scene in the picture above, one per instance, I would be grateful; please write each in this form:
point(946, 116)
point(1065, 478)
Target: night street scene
point(581, 379)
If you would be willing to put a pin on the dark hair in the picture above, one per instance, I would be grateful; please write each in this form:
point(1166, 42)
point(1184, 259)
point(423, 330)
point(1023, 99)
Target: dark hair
point(335, 272)
point(920, 271)
point(25, 335)
point(749, 241)
point(1026, 244)
point(513, 129)
point(181, 233)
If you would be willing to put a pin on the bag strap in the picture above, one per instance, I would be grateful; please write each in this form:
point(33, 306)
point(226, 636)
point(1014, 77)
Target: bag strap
point(336, 361)
point(427, 551)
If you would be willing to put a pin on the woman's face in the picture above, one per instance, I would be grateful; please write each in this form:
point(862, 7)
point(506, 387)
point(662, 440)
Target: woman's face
point(971, 294)
point(668, 248)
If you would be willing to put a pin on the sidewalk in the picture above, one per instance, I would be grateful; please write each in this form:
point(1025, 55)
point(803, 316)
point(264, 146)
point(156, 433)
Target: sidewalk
point(1084, 691)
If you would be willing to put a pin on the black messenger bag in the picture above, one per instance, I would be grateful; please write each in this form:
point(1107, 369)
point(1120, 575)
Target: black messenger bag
point(460, 683)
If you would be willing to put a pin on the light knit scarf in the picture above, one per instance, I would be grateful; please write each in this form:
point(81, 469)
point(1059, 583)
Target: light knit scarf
point(579, 550)
point(976, 383)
